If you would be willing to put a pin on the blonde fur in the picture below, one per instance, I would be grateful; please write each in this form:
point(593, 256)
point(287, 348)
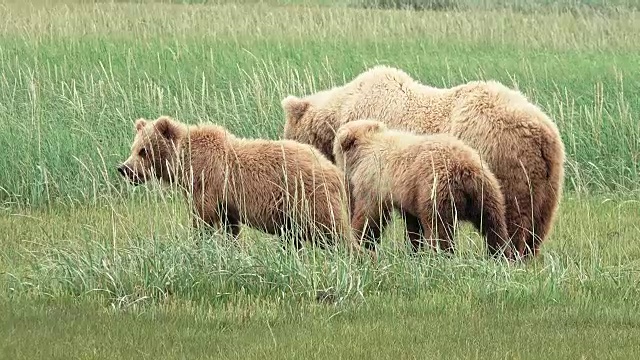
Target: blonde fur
point(521, 145)
point(430, 179)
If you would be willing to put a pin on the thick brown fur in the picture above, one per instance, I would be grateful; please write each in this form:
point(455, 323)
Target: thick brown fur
point(273, 186)
point(431, 179)
point(521, 145)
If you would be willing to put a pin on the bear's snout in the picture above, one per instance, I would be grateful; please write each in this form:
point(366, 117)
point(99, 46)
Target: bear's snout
point(128, 173)
point(122, 171)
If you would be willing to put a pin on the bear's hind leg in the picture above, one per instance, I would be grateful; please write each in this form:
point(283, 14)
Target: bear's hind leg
point(518, 219)
point(440, 227)
point(230, 218)
point(545, 208)
point(291, 233)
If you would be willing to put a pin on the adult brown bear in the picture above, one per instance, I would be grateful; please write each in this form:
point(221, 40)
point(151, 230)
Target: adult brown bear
point(519, 142)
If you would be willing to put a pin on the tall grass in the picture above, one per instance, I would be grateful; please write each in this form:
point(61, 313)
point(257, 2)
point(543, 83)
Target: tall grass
point(527, 6)
point(145, 252)
point(73, 78)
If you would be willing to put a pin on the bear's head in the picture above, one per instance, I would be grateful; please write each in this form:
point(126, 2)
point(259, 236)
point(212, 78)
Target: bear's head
point(351, 135)
point(154, 150)
point(309, 122)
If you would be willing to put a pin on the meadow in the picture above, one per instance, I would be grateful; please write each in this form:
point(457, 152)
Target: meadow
point(91, 267)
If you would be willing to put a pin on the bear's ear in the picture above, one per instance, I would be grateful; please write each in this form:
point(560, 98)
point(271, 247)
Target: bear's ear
point(347, 140)
point(166, 127)
point(140, 124)
point(295, 107)
point(378, 126)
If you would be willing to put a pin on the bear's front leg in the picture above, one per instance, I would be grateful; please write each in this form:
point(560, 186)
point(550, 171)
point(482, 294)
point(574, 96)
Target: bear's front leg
point(368, 223)
point(202, 225)
point(203, 216)
point(415, 232)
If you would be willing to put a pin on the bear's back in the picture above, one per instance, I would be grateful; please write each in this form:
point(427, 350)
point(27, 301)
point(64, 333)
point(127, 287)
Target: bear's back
point(439, 150)
point(504, 104)
point(285, 157)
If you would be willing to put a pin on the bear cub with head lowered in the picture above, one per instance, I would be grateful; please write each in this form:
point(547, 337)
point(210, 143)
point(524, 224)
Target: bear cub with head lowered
point(429, 179)
point(269, 185)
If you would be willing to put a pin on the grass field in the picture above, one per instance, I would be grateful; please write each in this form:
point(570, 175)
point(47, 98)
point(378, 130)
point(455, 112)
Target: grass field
point(93, 268)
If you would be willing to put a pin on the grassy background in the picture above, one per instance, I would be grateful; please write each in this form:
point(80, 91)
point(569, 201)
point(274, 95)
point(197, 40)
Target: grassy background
point(94, 268)
point(74, 77)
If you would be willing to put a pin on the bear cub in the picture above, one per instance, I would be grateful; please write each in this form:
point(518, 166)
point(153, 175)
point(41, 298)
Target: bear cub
point(430, 179)
point(273, 186)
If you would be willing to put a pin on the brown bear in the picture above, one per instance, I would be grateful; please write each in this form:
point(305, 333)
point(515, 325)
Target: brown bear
point(274, 186)
point(430, 179)
point(521, 145)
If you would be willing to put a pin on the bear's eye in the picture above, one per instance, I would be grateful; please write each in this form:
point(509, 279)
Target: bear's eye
point(143, 152)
